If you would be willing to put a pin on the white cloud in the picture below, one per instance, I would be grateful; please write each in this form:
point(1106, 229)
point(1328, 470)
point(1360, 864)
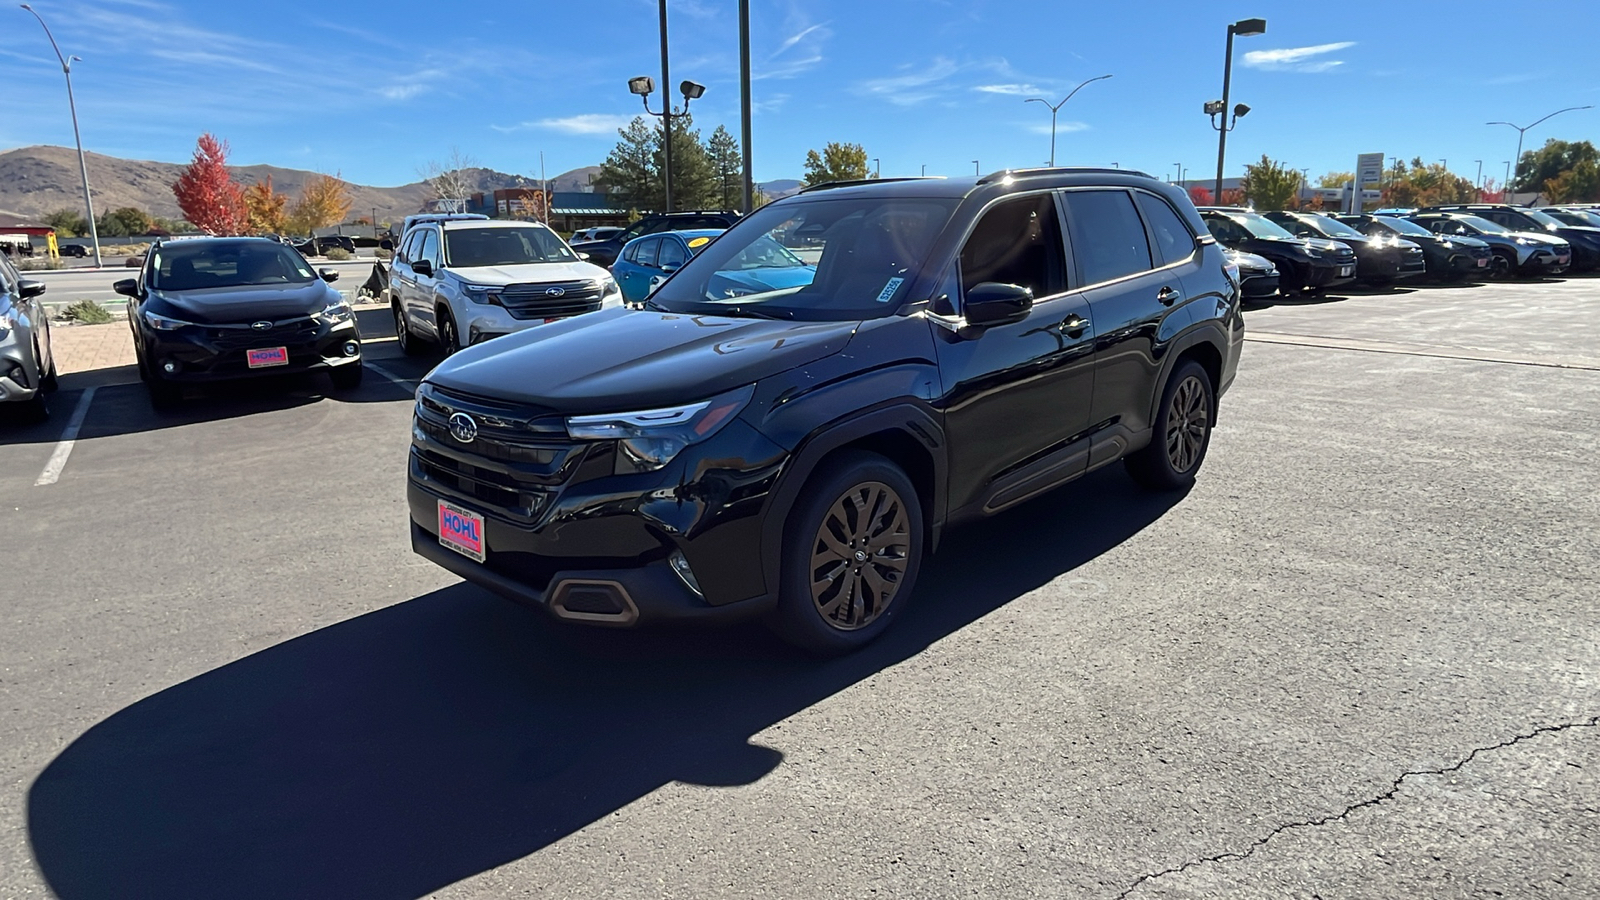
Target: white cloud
point(1011, 90)
point(585, 123)
point(806, 41)
point(401, 91)
point(913, 87)
point(1297, 59)
point(1061, 127)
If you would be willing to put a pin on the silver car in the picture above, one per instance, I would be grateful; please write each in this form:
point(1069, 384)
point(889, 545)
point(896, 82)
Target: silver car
point(27, 365)
point(458, 283)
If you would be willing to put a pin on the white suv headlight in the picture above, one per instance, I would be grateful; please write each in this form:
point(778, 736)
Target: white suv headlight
point(651, 438)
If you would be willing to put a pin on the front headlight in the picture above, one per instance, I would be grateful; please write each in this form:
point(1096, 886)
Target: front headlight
point(8, 321)
point(1524, 242)
point(481, 293)
point(609, 289)
point(1314, 253)
point(336, 313)
point(649, 439)
point(162, 323)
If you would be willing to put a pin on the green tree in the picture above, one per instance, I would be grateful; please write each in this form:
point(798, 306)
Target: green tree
point(67, 223)
point(1425, 184)
point(127, 221)
point(727, 165)
point(1579, 184)
point(1550, 161)
point(631, 173)
point(1270, 185)
point(1336, 179)
point(836, 162)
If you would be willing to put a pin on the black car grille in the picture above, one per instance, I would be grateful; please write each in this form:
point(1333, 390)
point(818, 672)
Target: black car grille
point(1344, 254)
point(282, 332)
point(494, 489)
point(550, 300)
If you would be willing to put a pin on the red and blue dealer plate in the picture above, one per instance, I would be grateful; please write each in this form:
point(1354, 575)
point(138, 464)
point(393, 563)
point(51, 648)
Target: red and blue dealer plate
point(461, 530)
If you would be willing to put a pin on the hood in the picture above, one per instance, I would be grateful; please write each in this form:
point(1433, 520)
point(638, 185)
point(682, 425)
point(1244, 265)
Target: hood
point(524, 273)
point(1325, 244)
point(250, 303)
point(1587, 233)
point(621, 359)
point(1249, 261)
point(1540, 237)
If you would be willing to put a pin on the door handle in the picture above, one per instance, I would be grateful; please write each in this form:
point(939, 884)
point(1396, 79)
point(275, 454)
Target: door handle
point(1072, 326)
point(1167, 296)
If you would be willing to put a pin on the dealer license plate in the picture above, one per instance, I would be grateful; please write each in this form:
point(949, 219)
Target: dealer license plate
point(1346, 271)
point(267, 356)
point(461, 530)
point(1562, 260)
point(1483, 262)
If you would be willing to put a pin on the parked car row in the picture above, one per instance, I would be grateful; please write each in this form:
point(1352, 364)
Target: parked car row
point(1289, 253)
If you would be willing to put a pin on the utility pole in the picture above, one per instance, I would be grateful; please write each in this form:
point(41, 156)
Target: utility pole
point(1054, 107)
point(83, 165)
point(666, 116)
point(748, 188)
point(1244, 27)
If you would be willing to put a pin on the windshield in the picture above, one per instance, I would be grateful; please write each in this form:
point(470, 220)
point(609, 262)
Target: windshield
point(1334, 228)
point(1401, 225)
point(196, 265)
point(1260, 226)
point(1483, 225)
point(1544, 219)
point(1582, 217)
point(466, 248)
point(816, 259)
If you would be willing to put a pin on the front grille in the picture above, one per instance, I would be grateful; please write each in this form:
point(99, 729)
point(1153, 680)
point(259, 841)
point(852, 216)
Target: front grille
point(550, 300)
point(240, 337)
point(492, 489)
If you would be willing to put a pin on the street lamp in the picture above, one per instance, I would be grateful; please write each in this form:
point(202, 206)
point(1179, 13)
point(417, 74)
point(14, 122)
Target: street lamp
point(1523, 129)
point(643, 86)
point(83, 166)
point(975, 167)
point(877, 165)
point(1478, 181)
point(1242, 28)
point(1057, 106)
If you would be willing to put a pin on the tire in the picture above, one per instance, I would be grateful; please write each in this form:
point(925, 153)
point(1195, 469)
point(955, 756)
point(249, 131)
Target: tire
point(1181, 432)
point(449, 340)
point(347, 378)
point(1508, 264)
point(48, 381)
point(815, 612)
point(410, 344)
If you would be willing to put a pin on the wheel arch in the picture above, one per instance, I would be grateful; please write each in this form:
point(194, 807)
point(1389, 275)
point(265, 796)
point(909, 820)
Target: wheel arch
point(1204, 345)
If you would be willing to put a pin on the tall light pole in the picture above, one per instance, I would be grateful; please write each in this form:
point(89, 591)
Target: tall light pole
point(83, 166)
point(749, 187)
point(1177, 169)
point(975, 167)
point(1523, 129)
point(877, 165)
point(1505, 188)
point(643, 86)
point(1478, 181)
point(1243, 28)
point(1054, 107)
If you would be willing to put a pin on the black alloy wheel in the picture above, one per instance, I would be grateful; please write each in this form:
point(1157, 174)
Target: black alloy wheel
point(852, 550)
point(1181, 432)
point(449, 341)
point(409, 345)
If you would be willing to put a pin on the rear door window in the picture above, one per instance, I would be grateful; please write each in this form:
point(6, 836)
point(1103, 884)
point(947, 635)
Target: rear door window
point(671, 253)
point(1173, 241)
point(1108, 238)
point(648, 249)
point(1017, 242)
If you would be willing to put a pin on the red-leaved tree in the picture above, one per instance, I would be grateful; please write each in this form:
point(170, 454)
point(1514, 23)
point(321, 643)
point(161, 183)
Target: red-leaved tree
point(206, 192)
point(1201, 196)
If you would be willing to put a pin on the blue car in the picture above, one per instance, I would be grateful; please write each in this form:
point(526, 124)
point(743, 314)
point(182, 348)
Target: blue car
point(765, 265)
point(647, 261)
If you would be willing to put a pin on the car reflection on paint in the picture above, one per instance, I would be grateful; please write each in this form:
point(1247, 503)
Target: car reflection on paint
point(765, 265)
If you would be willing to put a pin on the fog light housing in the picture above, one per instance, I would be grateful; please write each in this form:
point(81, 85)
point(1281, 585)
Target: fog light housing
point(680, 565)
point(170, 367)
point(351, 348)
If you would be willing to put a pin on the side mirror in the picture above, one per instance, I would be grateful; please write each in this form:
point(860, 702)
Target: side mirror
point(422, 267)
point(993, 303)
point(655, 282)
point(328, 274)
point(29, 288)
point(386, 244)
point(127, 287)
point(668, 270)
point(581, 254)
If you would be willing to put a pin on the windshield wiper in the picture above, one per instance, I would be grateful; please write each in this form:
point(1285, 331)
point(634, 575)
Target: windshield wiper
point(737, 311)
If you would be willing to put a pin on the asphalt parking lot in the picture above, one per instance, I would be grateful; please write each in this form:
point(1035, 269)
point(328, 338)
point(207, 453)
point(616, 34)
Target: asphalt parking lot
point(1358, 659)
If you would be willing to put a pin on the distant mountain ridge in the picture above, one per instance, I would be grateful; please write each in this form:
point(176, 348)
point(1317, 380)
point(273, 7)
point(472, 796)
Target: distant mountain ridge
point(35, 181)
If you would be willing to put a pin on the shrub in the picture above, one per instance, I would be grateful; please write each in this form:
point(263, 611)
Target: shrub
point(35, 263)
point(385, 254)
point(339, 254)
point(86, 312)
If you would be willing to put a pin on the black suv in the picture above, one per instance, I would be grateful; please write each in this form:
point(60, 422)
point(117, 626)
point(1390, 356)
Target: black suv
point(605, 252)
point(1584, 239)
point(1378, 260)
point(790, 441)
point(1304, 264)
point(1448, 258)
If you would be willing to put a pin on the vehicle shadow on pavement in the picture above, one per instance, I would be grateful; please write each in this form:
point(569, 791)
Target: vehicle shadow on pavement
point(404, 750)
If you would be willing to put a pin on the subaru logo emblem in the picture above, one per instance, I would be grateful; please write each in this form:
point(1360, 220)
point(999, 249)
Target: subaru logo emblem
point(261, 326)
point(555, 292)
point(463, 428)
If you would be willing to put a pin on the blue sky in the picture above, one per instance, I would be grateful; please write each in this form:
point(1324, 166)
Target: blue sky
point(374, 90)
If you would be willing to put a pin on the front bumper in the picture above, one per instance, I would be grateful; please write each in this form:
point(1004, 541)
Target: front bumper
point(19, 371)
point(1260, 286)
point(1546, 262)
point(199, 353)
point(480, 322)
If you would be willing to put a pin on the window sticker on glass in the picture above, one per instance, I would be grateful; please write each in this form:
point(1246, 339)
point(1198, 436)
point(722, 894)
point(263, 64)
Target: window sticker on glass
point(887, 293)
point(699, 242)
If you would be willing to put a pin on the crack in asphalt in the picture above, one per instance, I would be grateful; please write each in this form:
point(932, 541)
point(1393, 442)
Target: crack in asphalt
point(1394, 788)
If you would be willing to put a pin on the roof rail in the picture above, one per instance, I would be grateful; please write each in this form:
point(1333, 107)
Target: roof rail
point(1058, 170)
point(830, 185)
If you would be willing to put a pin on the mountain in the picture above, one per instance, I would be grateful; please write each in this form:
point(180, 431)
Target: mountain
point(777, 190)
point(35, 181)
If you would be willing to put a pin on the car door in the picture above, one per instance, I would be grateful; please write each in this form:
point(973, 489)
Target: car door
point(402, 282)
point(1015, 394)
point(1132, 292)
point(420, 295)
point(643, 267)
point(670, 258)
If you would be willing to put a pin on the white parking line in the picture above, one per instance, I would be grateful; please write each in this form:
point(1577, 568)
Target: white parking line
point(58, 459)
point(403, 382)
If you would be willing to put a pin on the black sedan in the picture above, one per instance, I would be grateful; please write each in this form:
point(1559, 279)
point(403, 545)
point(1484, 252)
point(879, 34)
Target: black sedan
point(214, 309)
point(1448, 257)
point(1377, 261)
point(1258, 277)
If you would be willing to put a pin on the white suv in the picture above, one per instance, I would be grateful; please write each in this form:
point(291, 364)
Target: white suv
point(458, 283)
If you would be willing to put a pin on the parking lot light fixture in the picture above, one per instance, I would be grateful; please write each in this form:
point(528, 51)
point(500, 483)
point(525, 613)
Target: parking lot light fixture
point(1055, 107)
point(975, 167)
point(1523, 129)
point(83, 165)
point(644, 87)
point(1242, 28)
